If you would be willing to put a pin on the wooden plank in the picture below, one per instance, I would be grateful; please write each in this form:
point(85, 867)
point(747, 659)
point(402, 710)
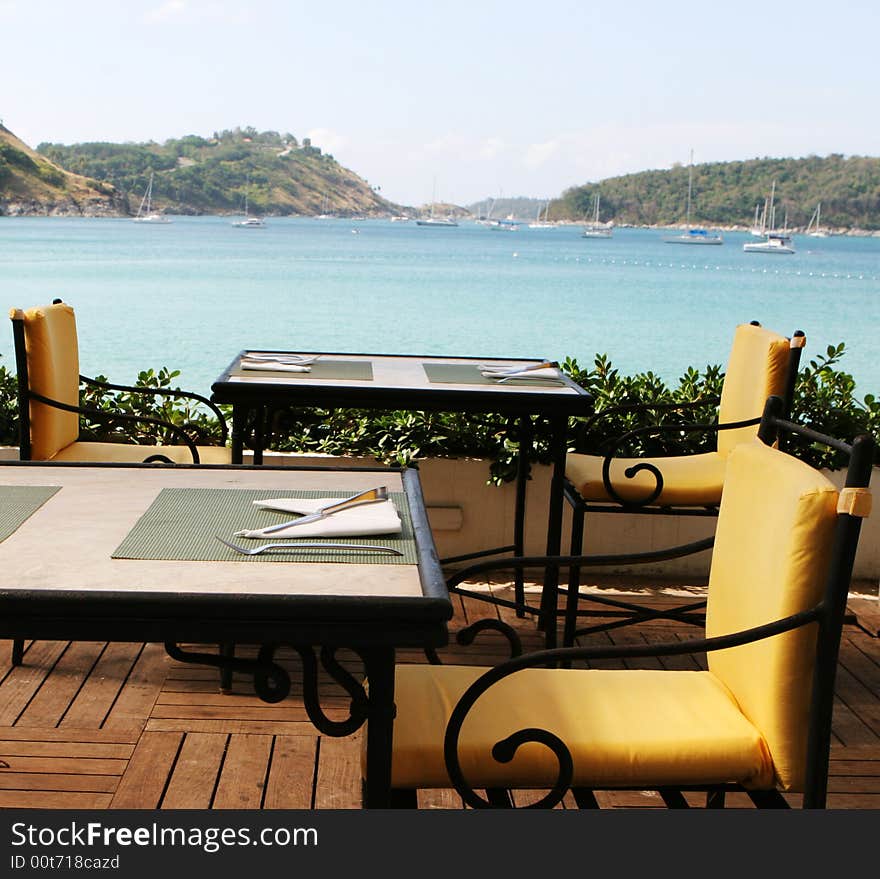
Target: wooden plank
point(292, 773)
point(258, 727)
point(339, 773)
point(30, 799)
point(20, 685)
point(143, 782)
point(195, 773)
point(65, 749)
point(66, 765)
point(441, 798)
point(52, 700)
point(234, 712)
point(96, 698)
point(243, 776)
point(133, 705)
point(56, 781)
point(36, 734)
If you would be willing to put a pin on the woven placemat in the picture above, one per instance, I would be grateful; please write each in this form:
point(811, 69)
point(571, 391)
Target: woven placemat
point(469, 374)
point(340, 370)
point(19, 502)
point(181, 525)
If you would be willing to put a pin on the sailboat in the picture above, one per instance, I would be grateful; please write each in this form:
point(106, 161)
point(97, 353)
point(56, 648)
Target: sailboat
point(773, 241)
point(693, 235)
point(596, 229)
point(814, 229)
point(249, 222)
point(431, 220)
point(545, 223)
point(145, 213)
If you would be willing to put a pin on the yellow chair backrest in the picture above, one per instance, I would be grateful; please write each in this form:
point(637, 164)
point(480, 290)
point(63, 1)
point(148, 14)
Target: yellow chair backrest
point(771, 558)
point(53, 371)
point(756, 369)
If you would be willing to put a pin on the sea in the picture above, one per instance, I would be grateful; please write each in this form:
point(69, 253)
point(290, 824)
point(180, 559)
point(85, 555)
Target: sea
point(190, 294)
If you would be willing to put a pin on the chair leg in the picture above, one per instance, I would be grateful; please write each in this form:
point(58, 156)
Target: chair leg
point(499, 797)
point(768, 799)
point(17, 651)
point(404, 798)
point(674, 799)
point(715, 799)
point(226, 649)
point(574, 577)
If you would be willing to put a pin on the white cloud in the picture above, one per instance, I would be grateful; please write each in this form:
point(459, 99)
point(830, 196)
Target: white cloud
point(491, 148)
point(165, 12)
point(329, 141)
point(8, 7)
point(540, 153)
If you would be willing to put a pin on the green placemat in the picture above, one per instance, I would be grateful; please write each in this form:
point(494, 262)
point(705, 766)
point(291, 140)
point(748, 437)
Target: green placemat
point(19, 502)
point(181, 523)
point(469, 374)
point(341, 370)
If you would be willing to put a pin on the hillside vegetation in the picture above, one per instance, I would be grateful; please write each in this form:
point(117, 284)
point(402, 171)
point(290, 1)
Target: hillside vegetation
point(33, 184)
point(198, 175)
point(726, 193)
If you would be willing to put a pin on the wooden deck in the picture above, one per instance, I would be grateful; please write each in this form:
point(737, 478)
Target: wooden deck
point(88, 725)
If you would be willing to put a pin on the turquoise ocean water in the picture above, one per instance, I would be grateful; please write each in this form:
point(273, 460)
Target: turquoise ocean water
point(189, 295)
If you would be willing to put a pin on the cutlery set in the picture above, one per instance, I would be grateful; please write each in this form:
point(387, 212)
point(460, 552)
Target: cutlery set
point(370, 496)
point(502, 374)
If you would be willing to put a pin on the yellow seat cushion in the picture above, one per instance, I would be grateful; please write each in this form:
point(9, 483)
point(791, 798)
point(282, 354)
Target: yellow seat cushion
point(123, 453)
point(624, 728)
point(694, 480)
point(756, 368)
point(770, 560)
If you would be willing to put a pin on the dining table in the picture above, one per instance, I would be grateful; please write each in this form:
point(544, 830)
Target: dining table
point(131, 553)
point(257, 382)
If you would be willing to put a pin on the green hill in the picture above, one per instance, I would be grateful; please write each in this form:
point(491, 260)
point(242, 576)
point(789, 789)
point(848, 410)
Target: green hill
point(33, 184)
point(198, 175)
point(726, 193)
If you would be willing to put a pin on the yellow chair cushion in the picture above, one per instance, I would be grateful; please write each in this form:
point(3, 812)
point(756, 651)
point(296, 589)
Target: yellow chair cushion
point(756, 368)
point(771, 558)
point(53, 371)
point(694, 480)
point(119, 453)
point(623, 728)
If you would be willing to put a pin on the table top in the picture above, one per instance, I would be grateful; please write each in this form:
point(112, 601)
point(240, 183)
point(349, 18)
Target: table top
point(62, 552)
point(402, 381)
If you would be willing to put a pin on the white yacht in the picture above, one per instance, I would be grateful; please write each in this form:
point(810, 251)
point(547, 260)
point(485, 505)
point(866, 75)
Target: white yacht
point(693, 235)
point(814, 227)
point(145, 213)
point(596, 229)
point(249, 222)
point(545, 223)
point(775, 242)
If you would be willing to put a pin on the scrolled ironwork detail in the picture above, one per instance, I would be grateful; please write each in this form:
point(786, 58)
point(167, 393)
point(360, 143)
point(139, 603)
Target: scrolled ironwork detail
point(359, 706)
point(468, 635)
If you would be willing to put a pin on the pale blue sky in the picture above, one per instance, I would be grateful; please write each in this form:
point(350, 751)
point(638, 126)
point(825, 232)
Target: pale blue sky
point(484, 97)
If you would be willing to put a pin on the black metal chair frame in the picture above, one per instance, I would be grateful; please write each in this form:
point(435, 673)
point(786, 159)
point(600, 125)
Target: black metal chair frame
point(828, 614)
point(623, 613)
point(26, 395)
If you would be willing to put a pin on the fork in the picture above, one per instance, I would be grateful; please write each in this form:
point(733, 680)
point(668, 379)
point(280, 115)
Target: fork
point(296, 547)
point(371, 496)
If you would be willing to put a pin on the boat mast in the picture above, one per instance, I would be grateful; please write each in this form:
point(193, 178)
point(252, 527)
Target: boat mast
point(690, 187)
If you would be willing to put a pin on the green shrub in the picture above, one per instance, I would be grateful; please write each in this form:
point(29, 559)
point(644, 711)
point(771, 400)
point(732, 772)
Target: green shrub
point(825, 399)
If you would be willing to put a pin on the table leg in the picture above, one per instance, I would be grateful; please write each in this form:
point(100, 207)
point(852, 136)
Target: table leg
point(239, 420)
point(379, 667)
point(259, 434)
point(550, 591)
point(522, 476)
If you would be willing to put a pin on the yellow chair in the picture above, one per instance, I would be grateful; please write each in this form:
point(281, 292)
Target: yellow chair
point(761, 364)
point(47, 362)
point(758, 719)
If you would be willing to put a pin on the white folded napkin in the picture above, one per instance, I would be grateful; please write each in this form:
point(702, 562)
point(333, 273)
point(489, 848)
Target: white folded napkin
point(543, 373)
point(366, 520)
point(273, 366)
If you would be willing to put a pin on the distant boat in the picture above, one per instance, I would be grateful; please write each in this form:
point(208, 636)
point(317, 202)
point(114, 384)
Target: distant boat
point(814, 229)
point(545, 223)
point(249, 222)
point(325, 210)
point(145, 213)
point(693, 235)
point(773, 240)
point(596, 229)
point(431, 220)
